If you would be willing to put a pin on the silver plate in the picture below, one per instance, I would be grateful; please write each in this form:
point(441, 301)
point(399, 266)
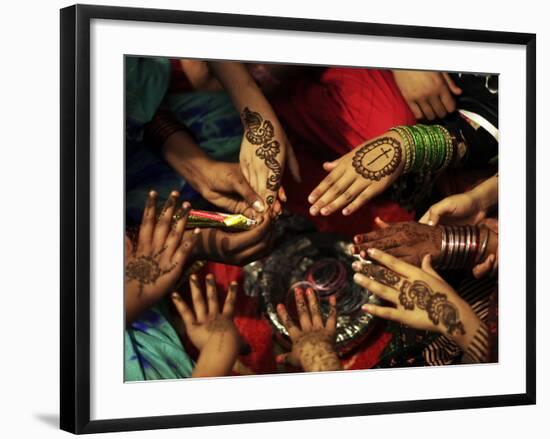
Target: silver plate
point(271, 279)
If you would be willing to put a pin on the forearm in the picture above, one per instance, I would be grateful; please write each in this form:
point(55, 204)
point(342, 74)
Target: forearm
point(241, 87)
point(475, 340)
point(216, 358)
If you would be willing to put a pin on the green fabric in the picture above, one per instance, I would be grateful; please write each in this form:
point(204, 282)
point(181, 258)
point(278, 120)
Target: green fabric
point(153, 351)
point(147, 81)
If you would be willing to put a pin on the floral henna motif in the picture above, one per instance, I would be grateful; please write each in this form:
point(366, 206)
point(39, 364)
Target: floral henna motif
point(439, 309)
point(146, 270)
point(378, 158)
point(260, 132)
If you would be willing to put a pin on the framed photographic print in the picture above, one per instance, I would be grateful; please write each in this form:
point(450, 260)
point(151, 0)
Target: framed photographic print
point(284, 218)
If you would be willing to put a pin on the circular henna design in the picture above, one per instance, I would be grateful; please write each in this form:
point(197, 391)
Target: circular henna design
point(377, 159)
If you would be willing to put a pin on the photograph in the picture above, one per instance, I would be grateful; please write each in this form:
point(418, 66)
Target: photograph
point(289, 218)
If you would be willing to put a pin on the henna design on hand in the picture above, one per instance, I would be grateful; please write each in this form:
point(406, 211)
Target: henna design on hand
point(146, 270)
point(316, 352)
point(260, 132)
point(218, 325)
point(381, 274)
point(378, 158)
point(439, 309)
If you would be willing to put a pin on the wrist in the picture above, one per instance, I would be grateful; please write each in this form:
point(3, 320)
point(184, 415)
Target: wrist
point(186, 157)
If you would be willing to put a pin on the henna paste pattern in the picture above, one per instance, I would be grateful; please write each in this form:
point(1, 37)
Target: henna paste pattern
point(381, 274)
point(439, 309)
point(378, 158)
point(260, 132)
point(146, 270)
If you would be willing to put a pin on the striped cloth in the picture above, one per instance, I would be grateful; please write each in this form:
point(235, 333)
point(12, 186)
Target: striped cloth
point(477, 293)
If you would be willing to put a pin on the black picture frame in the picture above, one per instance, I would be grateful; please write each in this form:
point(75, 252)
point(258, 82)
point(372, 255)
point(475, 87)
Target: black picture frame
point(75, 217)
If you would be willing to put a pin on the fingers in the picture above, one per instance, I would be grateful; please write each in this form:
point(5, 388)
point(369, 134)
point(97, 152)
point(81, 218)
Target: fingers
point(241, 186)
point(293, 331)
point(184, 311)
point(212, 295)
point(428, 268)
point(361, 200)
point(186, 247)
point(147, 226)
point(384, 312)
point(427, 109)
point(481, 270)
point(438, 107)
point(451, 84)
point(333, 192)
point(330, 166)
point(196, 296)
point(344, 198)
point(230, 299)
point(448, 101)
point(415, 108)
point(174, 237)
point(282, 194)
point(381, 290)
point(313, 303)
point(330, 325)
point(293, 165)
point(325, 184)
point(253, 236)
point(128, 246)
point(392, 262)
point(303, 312)
point(165, 219)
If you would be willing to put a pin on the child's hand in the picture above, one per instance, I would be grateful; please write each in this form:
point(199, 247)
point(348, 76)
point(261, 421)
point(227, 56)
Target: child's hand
point(313, 344)
point(156, 264)
point(359, 176)
point(213, 333)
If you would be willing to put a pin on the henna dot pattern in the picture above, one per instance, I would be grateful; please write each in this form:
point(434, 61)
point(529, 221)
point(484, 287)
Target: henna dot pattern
point(378, 158)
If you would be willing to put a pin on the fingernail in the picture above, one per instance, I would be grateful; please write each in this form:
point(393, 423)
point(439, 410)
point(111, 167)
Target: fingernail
point(356, 266)
point(357, 277)
point(358, 239)
point(280, 358)
point(175, 296)
point(312, 198)
point(196, 231)
point(430, 223)
point(345, 212)
point(371, 251)
point(363, 254)
point(313, 211)
point(258, 206)
point(324, 211)
point(367, 307)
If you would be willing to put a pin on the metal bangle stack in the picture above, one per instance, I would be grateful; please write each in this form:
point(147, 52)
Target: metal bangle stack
point(463, 246)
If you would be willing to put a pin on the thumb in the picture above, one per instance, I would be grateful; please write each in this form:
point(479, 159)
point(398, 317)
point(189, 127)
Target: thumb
point(380, 223)
point(451, 84)
point(434, 213)
point(293, 165)
point(288, 359)
point(329, 166)
point(242, 187)
point(427, 266)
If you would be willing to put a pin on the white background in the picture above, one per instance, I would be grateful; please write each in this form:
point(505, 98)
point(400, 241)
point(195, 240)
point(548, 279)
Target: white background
point(29, 176)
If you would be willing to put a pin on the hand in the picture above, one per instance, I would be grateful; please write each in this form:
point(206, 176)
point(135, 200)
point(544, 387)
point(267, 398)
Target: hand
point(359, 176)
point(313, 344)
point(236, 248)
point(428, 94)
point(460, 209)
point(213, 333)
point(417, 297)
point(156, 264)
point(264, 149)
point(489, 266)
point(408, 241)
